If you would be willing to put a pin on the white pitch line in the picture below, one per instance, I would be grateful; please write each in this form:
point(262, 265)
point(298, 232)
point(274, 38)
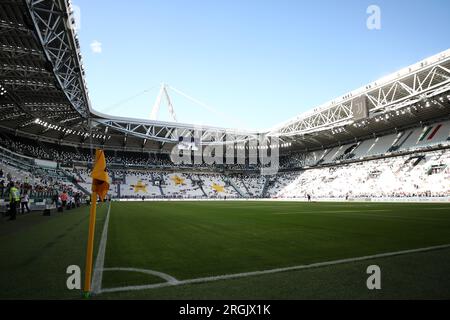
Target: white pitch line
point(161, 275)
point(270, 271)
point(100, 261)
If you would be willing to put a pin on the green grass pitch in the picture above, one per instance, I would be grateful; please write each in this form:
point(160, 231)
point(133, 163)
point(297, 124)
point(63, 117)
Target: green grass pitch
point(189, 240)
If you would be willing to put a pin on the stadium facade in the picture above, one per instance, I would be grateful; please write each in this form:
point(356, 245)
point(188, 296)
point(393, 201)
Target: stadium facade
point(389, 138)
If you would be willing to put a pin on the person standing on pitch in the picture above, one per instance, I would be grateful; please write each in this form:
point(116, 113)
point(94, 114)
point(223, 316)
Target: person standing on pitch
point(64, 197)
point(24, 202)
point(14, 199)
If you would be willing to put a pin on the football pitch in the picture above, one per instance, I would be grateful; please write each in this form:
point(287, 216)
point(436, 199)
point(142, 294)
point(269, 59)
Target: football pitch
point(233, 250)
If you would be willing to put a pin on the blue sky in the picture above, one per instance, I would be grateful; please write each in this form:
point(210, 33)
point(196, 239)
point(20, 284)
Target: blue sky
point(254, 63)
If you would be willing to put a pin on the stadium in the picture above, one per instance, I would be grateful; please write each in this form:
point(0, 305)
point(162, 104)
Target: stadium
point(299, 211)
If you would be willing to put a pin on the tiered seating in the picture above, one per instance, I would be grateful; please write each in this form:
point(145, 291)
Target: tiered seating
point(403, 176)
point(330, 172)
point(408, 140)
point(363, 148)
point(281, 182)
point(181, 185)
point(239, 183)
point(255, 185)
point(17, 174)
point(38, 182)
point(427, 136)
point(85, 181)
point(381, 145)
point(215, 187)
point(330, 155)
point(138, 185)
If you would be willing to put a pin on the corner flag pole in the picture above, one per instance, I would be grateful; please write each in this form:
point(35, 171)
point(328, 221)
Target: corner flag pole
point(100, 187)
point(90, 245)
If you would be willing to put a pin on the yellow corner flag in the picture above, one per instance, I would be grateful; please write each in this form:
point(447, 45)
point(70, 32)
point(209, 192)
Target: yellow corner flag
point(100, 187)
point(100, 179)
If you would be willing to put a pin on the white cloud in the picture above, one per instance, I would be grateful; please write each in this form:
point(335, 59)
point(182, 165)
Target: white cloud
point(96, 47)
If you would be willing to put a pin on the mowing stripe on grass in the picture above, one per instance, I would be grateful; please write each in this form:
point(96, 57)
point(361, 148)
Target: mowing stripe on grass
point(100, 261)
point(329, 211)
point(358, 213)
point(176, 282)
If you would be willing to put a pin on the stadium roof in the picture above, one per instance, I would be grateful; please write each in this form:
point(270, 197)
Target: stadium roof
point(408, 97)
point(43, 93)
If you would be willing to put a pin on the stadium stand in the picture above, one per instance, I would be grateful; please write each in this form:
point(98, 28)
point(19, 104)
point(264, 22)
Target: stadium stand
point(43, 186)
point(418, 173)
point(396, 144)
point(409, 140)
point(414, 162)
